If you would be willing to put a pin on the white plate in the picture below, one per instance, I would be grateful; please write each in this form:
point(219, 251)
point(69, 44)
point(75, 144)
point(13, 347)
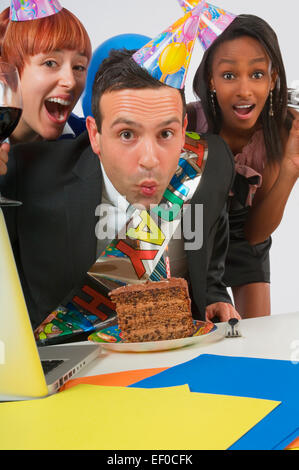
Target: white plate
point(150, 346)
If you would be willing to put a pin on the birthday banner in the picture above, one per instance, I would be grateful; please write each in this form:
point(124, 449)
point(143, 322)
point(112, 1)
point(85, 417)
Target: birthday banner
point(136, 254)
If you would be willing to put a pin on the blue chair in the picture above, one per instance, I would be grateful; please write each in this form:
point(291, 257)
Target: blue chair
point(127, 41)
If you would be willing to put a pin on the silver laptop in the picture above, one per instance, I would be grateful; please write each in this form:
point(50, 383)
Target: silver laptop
point(26, 371)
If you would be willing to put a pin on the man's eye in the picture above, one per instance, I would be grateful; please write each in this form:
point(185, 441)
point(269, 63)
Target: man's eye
point(126, 135)
point(166, 134)
point(228, 76)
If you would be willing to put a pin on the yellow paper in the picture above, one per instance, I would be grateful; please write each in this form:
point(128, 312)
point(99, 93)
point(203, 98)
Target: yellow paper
point(120, 418)
point(16, 337)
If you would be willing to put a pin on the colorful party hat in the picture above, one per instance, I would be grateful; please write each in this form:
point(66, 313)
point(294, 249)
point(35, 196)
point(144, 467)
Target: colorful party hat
point(213, 20)
point(167, 56)
point(24, 10)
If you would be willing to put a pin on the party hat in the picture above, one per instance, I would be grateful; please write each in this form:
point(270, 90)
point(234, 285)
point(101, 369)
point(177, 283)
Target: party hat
point(213, 20)
point(24, 10)
point(167, 56)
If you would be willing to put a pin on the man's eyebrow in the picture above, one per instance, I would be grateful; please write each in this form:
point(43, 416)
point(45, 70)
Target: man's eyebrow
point(126, 121)
point(130, 122)
point(171, 120)
point(232, 62)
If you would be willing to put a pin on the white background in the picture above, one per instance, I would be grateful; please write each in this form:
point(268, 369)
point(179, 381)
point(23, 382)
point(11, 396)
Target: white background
point(104, 19)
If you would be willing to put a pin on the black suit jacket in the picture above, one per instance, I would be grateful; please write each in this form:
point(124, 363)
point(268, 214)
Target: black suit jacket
point(53, 232)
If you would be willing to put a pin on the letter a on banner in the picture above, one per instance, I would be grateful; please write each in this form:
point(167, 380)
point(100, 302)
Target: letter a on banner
point(153, 235)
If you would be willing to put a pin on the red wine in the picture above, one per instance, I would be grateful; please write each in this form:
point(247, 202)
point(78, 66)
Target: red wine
point(9, 118)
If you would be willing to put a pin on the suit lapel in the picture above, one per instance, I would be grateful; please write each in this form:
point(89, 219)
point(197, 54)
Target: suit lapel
point(82, 197)
point(60, 186)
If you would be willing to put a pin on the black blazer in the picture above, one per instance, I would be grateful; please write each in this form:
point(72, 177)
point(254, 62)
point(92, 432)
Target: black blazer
point(53, 232)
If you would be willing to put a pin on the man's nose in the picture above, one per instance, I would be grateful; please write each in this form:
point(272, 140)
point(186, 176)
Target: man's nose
point(148, 154)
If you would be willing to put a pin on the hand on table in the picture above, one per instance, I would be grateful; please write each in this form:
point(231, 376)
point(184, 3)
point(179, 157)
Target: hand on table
point(4, 149)
point(222, 310)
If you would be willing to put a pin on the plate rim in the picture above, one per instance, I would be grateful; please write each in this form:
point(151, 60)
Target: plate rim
point(165, 344)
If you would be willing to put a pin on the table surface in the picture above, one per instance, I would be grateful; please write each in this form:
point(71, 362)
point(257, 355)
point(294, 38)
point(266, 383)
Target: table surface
point(272, 337)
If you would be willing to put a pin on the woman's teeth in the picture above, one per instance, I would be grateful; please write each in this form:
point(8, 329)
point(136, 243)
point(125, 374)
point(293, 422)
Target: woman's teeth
point(59, 101)
point(58, 108)
point(244, 106)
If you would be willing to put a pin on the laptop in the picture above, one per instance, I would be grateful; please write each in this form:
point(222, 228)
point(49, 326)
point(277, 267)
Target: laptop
point(26, 371)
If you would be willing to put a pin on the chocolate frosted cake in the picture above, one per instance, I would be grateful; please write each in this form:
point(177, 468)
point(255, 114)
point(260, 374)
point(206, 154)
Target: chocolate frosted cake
point(154, 311)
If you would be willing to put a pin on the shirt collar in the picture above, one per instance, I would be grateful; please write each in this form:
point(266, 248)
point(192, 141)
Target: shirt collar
point(67, 130)
point(111, 193)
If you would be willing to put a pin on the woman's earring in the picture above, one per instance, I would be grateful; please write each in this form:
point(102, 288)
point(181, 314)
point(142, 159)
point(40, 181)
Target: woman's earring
point(271, 112)
point(213, 94)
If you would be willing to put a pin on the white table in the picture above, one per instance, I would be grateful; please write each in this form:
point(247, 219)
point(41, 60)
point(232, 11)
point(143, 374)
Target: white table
point(273, 337)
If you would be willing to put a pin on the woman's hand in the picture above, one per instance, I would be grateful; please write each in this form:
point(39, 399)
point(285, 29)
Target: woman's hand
point(278, 181)
point(223, 311)
point(290, 161)
point(4, 149)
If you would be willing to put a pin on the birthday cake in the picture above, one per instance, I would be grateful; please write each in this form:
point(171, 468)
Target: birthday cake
point(154, 311)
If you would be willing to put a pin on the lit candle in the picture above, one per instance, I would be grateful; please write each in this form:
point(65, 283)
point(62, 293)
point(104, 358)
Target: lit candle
point(167, 263)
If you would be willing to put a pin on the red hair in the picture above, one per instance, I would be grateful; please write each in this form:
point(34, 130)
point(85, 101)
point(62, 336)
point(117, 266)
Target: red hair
point(21, 39)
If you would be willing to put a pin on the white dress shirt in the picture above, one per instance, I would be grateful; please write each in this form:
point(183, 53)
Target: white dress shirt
point(113, 217)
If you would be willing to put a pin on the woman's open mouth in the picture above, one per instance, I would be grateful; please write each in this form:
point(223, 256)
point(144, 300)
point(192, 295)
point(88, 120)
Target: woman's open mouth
point(243, 111)
point(58, 109)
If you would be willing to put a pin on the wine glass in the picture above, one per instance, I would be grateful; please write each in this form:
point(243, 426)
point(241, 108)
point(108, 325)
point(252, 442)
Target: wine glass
point(10, 109)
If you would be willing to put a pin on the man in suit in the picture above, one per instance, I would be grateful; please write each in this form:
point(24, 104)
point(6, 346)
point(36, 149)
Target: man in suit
point(136, 137)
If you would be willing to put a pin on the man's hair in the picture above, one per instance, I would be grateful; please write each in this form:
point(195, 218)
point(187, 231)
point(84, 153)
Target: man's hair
point(119, 71)
point(257, 28)
point(21, 39)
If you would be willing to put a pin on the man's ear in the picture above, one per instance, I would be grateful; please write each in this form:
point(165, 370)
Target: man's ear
point(185, 123)
point(94, 135)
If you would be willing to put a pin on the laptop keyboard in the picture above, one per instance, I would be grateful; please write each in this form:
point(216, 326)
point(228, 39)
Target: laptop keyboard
point(50, 365)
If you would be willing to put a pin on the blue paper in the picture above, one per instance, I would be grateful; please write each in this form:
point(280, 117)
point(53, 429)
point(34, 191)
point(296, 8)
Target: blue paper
point(245, 377)
point(288, 440)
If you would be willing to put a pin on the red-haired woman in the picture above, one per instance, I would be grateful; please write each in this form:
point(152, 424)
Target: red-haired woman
point(52, 56)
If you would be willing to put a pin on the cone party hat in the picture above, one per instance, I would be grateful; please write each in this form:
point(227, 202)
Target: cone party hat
point(167, 56)
point(24, 10)
point(213, 20)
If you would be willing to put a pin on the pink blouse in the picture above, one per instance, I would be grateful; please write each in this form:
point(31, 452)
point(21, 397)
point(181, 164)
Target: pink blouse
point(250, 162)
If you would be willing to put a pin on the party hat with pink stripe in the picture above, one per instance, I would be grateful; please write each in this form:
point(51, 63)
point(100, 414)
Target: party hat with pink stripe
point(167, 56)
point(24, 10)
point(213, 20)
